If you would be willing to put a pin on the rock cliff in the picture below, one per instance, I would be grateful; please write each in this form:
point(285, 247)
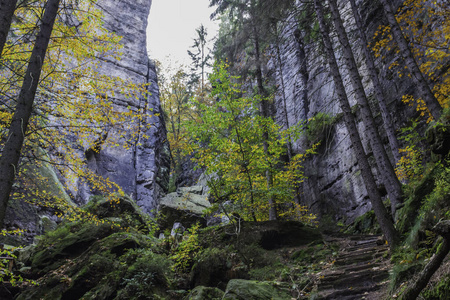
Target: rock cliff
point(141, 169)
point(334, 186)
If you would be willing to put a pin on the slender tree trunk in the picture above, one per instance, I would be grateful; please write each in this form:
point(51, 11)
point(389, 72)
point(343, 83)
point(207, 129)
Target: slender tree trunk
point(387, 119)
point(385, 168)
point(382, 215)
point(424, 89)
point(7, 8)
point(16, 134)
point(304, 75)
point(283, 92)
point(273, 214)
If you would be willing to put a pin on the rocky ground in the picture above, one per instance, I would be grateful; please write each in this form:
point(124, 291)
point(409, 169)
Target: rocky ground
point(116, 255)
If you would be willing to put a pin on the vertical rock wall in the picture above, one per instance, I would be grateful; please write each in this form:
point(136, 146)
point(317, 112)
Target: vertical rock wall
point(334, 185)
point(142, 169)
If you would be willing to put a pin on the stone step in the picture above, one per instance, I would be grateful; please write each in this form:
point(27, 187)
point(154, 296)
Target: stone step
point(349, 293)
point(359, 267)
point(358, 259)
point(357, 279)
point(361, 254)
point(351, 248)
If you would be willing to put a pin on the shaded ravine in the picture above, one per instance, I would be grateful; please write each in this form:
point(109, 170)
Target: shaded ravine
point(360, 271)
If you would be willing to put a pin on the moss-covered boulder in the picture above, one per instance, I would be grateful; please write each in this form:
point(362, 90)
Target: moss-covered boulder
point(99, 258)
point(239, 289)
point(205, 293)
point(117, 209)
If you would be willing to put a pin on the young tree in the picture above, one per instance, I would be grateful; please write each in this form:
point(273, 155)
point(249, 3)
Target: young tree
point(382, 215)
point(229, 142)
point(405, 50)
point(385, 168)
point(200, 58)
point(174, 97)
point(9, 161)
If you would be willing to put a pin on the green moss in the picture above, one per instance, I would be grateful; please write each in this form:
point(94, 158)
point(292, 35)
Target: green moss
point(365, 224)
point(205, 293)
point(319, 128)
point(249, 289)
point(439, 291)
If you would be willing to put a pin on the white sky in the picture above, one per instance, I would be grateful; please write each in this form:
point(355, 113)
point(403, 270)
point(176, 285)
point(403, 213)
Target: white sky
point(172, 25)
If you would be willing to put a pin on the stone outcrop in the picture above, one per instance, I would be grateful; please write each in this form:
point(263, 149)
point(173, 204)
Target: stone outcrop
point(140, 165)
point(334, 185)
point(186, 206)
point(141, 170)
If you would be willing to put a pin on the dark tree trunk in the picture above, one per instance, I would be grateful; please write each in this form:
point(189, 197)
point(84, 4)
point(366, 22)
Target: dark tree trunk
point(22, 113)
point(283, 90)
point(382, 215)
point(424, 89)
point(304, 75)
point(442, 228)
point(385, 168)
point(387, 119)
point(273, 214)
point(7, 8)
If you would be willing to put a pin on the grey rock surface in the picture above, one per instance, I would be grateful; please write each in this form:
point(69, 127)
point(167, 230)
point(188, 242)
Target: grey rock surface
point(186, 206)
point(141, 168)
point(334, 186)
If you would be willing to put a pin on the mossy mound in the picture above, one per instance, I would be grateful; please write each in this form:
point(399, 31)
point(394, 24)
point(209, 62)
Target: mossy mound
point(239, 289)
point(99, 259)
point(205, 293)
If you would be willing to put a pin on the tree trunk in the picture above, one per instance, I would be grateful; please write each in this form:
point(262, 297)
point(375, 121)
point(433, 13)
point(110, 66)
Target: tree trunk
point(7, 8)
point(388, 123)
point(442, 228)
point(424, 89)
point(273, 214)
point(22, 113)
point(382, 215)
point(304, 75)
point(385, 168)
point(283, 91)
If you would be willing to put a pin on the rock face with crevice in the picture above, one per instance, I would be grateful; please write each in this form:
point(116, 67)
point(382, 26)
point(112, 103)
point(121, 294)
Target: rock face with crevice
point(140, 166)
point(142, 170)
point(333, 186)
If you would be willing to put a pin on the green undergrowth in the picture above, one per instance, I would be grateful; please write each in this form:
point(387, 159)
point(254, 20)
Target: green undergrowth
point(118, 257)
point(427, 202)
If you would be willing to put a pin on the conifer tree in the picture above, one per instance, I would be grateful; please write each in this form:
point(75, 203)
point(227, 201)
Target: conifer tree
point(385, 168)
point(200, 58)
point(378, 88)
point(382, 215)
point(7, 8)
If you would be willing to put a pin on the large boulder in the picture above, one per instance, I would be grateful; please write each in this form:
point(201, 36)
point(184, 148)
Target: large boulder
point(186, 206)
point(239, 289)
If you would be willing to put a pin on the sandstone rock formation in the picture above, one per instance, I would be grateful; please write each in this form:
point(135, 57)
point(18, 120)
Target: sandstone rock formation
point(141, 168)
point(334, 185)
point(141, 171)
